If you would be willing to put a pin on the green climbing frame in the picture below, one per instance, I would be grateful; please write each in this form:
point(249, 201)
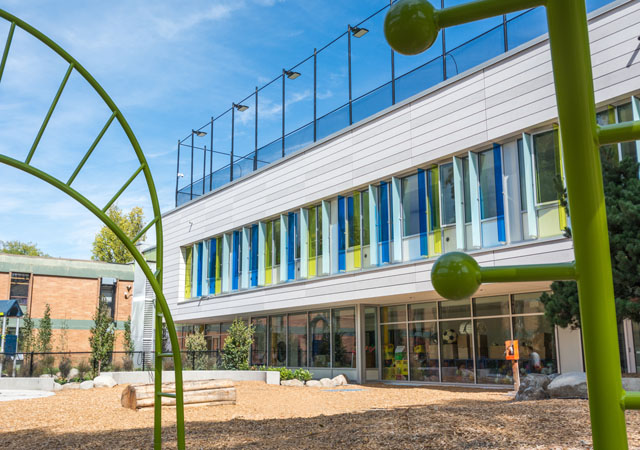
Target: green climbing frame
point(155, 279)
point(411, 26)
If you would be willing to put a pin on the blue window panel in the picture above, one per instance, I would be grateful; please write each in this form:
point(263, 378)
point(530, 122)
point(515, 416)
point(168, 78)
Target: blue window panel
point(291, 246)
point(383, 222)
point(199, 282)
point(342, 256)
point(497, 168)
point(235, 260)
point(422, 212)
point(490, 232)
point(254, 256)
point(212, 266)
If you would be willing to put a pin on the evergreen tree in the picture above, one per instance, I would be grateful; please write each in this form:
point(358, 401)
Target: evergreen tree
point(102, 337)
point(622, 198)
point(44, 331)
point(237, 346)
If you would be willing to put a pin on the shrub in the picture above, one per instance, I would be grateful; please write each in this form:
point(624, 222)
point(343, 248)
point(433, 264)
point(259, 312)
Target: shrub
point(285, 374)
point(83, 370)
point(237, 346)
point(65, 366)
point(196, 346)
point(302, 375)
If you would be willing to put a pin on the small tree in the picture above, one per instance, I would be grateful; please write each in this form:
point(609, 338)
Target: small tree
point(237, 346)
point(102, 337)
point(196, 345)
point(128, 342)
point(27, 340)
point(44, 331)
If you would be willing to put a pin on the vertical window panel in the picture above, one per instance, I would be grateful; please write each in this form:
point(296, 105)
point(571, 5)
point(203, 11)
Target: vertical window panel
point(448, 197)
point(277, 341)
point(320, 338)
point(547, 157)
point(297, 351)
point(344, 338)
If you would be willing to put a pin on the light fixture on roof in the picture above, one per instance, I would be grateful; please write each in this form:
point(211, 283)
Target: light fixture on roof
point(291, 74)
point(199, 133)
point(359, 32)
point(240, 107)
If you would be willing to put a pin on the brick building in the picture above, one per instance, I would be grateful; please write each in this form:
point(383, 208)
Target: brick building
point(72, 289)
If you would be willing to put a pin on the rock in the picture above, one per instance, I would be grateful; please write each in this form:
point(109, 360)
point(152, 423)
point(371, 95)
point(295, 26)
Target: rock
point(569, 385)
point(293, 382)
point(57, 387)
point(631, 384)
point(73, 373)
point(313, 383)
point(340, 380)
point(73, 385)
point(104, 381)
point(533, 387)
point(327, 382)
point(86, 384)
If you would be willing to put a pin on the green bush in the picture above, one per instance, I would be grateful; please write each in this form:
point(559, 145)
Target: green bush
point(196, 346)
point(237, 346)
point(302, 375)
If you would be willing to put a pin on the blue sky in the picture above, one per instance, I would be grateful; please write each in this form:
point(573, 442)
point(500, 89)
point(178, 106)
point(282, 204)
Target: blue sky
point(169, 66)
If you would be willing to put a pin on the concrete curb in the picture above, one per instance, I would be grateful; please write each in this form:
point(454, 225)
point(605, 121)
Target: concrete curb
point(269, 377)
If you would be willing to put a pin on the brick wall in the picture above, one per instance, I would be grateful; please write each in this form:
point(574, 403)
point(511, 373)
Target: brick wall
point(69, 298)
point(5, 283)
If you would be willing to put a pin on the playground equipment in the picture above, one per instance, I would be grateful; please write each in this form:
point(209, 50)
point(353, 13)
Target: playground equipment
point(155, 279)
point(411, 26)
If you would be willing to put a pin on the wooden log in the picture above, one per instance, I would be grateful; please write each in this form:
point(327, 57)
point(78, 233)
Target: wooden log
point(198, 392)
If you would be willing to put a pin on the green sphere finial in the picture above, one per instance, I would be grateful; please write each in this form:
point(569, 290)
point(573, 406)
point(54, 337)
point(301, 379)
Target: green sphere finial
point(456, 275)
point(410, 26)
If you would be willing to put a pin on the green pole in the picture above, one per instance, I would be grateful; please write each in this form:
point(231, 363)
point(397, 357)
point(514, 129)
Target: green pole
point(571, 58)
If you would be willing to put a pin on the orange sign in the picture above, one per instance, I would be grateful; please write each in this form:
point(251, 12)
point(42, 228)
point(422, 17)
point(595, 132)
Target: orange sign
point(511, 350)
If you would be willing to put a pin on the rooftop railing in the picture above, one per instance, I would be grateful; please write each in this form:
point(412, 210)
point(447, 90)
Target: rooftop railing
point(353, 77)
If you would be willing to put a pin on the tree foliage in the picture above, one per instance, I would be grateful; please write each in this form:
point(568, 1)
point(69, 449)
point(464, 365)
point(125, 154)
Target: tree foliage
point(197, 345)
point(27, 339)
point(237, 346)
point(102, 336)
point(43, 343)
point(622, 198)
point(21, 248)
point(128, 342)
point(106, 245)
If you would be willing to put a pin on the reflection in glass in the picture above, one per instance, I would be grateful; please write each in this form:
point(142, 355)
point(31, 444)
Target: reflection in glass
point(537, 344)
point(259, 347)
point(448, 196)
point(319, 333)
point(488, 204)
point(344, 337)
point(278, 343)
point(396, 313)
point(423, 346)
point(410, 205)
point(423, 311)
point(394, 347)
point(491, 306)
point(370, 343)
point(451, 309)
point(527, 303)
point(547, 165)
point(456, 351)
point(297, 340)
point(491, 364)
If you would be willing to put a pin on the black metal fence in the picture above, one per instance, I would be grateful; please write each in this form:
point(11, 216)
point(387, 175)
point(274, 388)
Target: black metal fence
point(353, 77)
point(35, 364)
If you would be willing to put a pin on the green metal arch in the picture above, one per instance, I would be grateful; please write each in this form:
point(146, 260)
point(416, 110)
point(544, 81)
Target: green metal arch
point(155, 279)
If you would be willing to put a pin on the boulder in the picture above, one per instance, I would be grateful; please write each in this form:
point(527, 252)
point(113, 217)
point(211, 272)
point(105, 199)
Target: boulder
point(327, 382)
point(568, 385)
point(533, 387)
point(57, 387)
point(104, 381)
point(73, 373)
point(631, 384)
point(340, 380)
point(293, 382)
point(313, 383)
point(86, 384)
point(74, 385)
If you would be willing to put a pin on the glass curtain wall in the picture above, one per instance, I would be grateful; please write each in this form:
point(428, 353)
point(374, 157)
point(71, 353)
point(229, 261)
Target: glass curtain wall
point(463, 341)
point(278, 341)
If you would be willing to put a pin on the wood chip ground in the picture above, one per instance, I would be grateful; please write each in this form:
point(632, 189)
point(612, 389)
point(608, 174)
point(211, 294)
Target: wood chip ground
point(274, 417)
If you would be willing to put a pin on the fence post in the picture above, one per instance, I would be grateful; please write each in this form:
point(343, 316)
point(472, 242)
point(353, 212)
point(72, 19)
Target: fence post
point(31, 365)
point(193, 360)
point(144, 357)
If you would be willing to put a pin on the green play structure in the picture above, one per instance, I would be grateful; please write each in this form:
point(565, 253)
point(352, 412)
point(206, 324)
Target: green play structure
point(162, 314)
point(411, 26)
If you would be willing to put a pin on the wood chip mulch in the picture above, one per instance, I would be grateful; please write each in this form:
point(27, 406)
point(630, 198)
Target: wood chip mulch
point(274, 417)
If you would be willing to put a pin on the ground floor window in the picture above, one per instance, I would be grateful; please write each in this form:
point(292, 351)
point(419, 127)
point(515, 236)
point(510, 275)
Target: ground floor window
point(462, 341)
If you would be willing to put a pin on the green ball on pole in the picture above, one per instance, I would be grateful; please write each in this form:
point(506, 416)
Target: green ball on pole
point(411, 27)
point(456, 275)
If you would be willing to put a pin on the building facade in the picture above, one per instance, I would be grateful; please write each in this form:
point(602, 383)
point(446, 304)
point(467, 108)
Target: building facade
point(328, 251)
point(72, 289)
